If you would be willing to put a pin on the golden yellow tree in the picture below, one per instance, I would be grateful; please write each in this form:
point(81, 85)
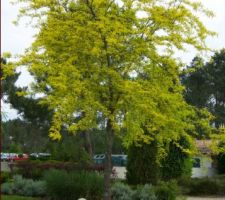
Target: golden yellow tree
point(113, 59)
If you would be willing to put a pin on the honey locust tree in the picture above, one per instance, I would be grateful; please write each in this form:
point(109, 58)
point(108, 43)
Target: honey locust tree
point(113, 59)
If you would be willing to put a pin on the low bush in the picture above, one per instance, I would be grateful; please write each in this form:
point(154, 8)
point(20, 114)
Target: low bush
point(167, 190)
point(163, 191)
point(35, 188)
point(5, 176)
point(206, 186)
point(24, 187)
point(220, 177)
point(145, 192)
point(121, 191)
point(7, 188)
point(203, 187)
point(28, 169)
point(184, 183)
point(73, 185)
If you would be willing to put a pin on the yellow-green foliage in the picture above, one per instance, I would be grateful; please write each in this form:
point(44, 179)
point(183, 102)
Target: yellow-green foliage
point(9, 70)
point(114, 58)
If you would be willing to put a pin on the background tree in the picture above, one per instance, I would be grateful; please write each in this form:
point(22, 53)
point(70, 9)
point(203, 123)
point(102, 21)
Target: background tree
point(29, 132)
point(3, 63)
point(215, 72)
point(205, 85)
point(196, 85)
point(70, 148)
point(27, 136)
point(101, 58)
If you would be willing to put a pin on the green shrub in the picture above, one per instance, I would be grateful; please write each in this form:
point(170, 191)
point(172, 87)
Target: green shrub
point(163, 191)
point(220, 177)
point(5, 176)
point(184, 182)
point(204, 186)
point(28, 169)
point(35, 188)
point(145, 192)
point(24, 187)
point(7, 188)
point(73, 185)
point(167, 190)
point(36, 169)
point(221, 189)
point(121, 191)
point(94, 184)
point(19, 183)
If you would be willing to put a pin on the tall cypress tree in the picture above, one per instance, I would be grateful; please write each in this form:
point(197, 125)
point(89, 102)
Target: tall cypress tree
point(143, 166)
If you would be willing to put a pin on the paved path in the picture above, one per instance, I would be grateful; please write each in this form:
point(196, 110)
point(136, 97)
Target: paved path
point(206, 198)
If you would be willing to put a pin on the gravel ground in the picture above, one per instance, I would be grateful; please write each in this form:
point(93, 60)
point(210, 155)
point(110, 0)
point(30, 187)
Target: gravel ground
point(206, 198)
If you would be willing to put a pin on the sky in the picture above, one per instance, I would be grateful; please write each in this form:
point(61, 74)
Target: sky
point(16, 39)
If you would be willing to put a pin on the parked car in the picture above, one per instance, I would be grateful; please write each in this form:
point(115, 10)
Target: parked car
point(34, 155)
point(13, 156)
point(4, 156)
point(20, 157)
point(40, 156)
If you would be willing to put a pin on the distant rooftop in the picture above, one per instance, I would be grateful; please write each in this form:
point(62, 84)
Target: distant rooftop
point(204, 146)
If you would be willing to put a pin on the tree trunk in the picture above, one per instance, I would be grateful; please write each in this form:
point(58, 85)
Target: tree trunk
point(108, 162)
point(88, 145)
point(87, 141)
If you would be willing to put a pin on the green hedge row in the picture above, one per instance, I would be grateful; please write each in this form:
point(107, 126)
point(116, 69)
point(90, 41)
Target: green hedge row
point(74, 185)
point(203, 186)
point(35, 169)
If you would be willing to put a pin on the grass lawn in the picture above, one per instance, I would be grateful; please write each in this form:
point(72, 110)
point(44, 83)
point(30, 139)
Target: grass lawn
point(13, 197)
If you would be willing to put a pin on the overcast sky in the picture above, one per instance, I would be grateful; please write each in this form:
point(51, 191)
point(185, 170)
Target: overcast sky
point(16, 39)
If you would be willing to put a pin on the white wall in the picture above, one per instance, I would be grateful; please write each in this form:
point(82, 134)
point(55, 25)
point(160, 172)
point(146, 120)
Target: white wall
point(120, 172)
point(206, 168)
